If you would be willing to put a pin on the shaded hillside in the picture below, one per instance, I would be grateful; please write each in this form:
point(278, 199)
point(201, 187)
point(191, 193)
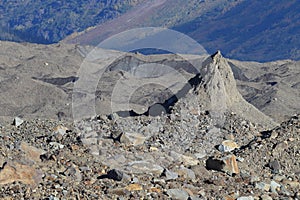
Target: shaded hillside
point(244, 30)
point(252, 30)
point(50, 21)
point(156, 13)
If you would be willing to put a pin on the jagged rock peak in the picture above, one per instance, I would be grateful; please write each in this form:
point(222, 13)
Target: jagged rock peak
point(218, 93)
point(218, 84)
point(216, 55)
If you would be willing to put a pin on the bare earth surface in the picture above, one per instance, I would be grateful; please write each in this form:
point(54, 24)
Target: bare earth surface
point(193, 135)
point(37, 80)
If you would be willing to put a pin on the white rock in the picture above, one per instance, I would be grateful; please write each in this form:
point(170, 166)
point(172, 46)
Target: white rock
point(134, 139)
point(89, 141)
point(263, 186)
point(200, 155)
point(186, 173)
point(265, 197)
point(18, 121)
point(170, 175)
point(60, 130)
point(274, 185)
point(245, 198)
point(56, 145)
point(144, 167)
point(228, 146)
point(187, 160)
point(92, 134)
point(178, 194)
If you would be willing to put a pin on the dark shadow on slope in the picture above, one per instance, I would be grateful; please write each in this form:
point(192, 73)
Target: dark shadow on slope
point(58, 81)
point(237, 72)
point(132, 64)
point(151, 51)
point(158, 109)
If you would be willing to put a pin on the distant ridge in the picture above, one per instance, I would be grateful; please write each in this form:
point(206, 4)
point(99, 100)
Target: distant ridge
point(244, 30)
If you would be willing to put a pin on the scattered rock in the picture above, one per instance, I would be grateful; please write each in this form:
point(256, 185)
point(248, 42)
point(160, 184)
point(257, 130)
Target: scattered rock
point(201, 171)
point(186, 173)
point(113, 116)
point(186, 160)
point(134, 187)
point(274, 166)
point(228, 198)
point(56, 145)
point(200, 155)
point(231, 165)
point(12, 172)
point(263, 186)
point(265, 197)
point(18, 121)
point(178, 194)
point(274, 135)
point(254, 179)
point(159, 181)
point(53, 198)
point(144, 167)
point(215, 164)
point(274, 186)
point(246, 198)
point(153, 149)
point(240, 159)
point(89, 141)
point(115, 174)
point(279, 148)
point(60, 130)
point(227, 164)
point(285, 191)
point(292, 184)
point(159, 157)
point(169, 175)
point(74, 172)
point(132, 139)
point(228, 146)
point(155, 190)
point(118, 191)
point(278, 178)
point(31, 152)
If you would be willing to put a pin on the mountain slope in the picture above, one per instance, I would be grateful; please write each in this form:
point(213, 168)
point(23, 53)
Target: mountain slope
point(243, 30)
point(50, 21)
point(252, 30)
point(155, 13)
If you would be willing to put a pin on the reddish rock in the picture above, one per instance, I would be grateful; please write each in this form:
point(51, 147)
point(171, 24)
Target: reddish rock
point(227, 164)
point(18, 172)
point(228, 145)
point(134, 187)
point(31, 152)
point(155, 190)
point(231, 165)
point(60, 130)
